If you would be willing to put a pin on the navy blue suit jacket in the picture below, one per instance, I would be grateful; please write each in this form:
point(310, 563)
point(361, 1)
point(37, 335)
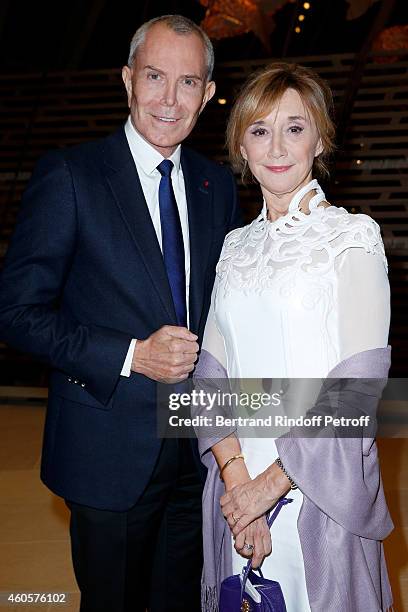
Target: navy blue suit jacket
point(83, 275)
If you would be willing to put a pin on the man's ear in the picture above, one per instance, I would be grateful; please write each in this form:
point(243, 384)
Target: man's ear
point(208, 94)
point(127, 79)
point(319, 148)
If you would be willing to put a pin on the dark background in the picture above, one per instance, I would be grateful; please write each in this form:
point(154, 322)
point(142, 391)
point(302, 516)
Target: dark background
point(53, 35)
point(60, 85)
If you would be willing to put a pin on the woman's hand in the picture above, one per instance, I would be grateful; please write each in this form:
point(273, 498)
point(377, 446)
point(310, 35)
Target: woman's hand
point(258, 536)
point(247, 501)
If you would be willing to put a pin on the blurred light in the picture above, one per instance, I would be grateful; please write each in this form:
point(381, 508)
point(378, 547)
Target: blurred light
point(358, 162)
point(361, 144)
point(297, 30)
point(301, 17)
point(221, 101)
point(353, 210)
point(306, 5)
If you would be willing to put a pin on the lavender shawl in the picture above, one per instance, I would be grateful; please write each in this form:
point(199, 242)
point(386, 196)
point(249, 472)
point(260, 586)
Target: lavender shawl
point(344, 516)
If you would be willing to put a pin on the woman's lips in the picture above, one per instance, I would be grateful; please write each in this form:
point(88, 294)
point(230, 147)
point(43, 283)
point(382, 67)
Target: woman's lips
point(278, 168)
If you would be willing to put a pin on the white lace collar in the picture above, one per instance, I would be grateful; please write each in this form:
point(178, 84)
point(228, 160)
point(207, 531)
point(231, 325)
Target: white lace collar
point(260, 255)
point(297, 198)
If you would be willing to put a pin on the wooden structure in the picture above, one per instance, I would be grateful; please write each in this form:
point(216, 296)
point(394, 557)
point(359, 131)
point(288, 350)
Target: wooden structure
point(39, 112)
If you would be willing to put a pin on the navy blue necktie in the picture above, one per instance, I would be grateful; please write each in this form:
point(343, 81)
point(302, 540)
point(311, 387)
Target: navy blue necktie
point(172, 241)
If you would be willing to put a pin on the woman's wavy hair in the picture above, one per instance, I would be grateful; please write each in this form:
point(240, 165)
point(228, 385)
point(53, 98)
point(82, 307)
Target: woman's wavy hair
point(263, 90)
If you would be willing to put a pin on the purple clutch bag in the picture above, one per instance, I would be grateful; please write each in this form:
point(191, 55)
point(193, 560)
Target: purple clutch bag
point(253, 593)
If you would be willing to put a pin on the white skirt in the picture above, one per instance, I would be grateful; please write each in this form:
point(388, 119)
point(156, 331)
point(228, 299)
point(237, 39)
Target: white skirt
point(285, 563)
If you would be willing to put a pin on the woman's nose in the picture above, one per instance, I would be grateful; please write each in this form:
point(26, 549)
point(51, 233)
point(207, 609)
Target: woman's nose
point(277, 147)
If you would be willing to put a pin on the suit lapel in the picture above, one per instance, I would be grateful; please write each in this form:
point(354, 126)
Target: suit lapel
point(124, 183)
point(199, 204)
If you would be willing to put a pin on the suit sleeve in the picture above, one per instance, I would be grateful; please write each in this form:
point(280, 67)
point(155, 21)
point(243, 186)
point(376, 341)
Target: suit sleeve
point(32, 282)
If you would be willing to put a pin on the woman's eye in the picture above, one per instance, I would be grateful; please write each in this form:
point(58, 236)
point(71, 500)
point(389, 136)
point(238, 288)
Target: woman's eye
point(259, 132)
point(295, 129)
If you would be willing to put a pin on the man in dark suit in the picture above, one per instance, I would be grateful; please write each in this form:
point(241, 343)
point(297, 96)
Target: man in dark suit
point(108, 278)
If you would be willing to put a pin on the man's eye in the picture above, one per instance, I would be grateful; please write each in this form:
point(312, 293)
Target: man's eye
point(189, 82)
point(153, 76)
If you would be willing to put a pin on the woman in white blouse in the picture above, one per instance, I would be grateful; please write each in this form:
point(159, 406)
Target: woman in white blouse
point(300, 290)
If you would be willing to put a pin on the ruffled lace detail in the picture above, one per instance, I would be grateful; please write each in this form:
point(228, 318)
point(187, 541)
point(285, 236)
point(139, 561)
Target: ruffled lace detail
point(258, 255)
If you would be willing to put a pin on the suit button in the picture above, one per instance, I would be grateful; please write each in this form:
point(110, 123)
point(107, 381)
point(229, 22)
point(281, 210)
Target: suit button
point(82, 385)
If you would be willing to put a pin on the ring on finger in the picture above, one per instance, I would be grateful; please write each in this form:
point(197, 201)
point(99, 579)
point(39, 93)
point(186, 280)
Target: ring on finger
point(248, 547)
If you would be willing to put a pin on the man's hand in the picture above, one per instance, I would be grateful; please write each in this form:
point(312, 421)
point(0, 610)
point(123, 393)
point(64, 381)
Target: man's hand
point(167, 356)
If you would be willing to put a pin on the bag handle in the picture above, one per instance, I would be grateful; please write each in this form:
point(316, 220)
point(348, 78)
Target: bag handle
point(270, 519)
point(272, 515)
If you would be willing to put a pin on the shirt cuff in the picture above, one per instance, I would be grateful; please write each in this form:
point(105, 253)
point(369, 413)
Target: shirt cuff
point(127, 366)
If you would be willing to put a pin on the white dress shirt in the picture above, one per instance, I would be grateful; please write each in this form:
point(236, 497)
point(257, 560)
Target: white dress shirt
point(147, 159)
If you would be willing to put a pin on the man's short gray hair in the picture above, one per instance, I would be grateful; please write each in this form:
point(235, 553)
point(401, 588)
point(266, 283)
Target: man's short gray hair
point(179, 24)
